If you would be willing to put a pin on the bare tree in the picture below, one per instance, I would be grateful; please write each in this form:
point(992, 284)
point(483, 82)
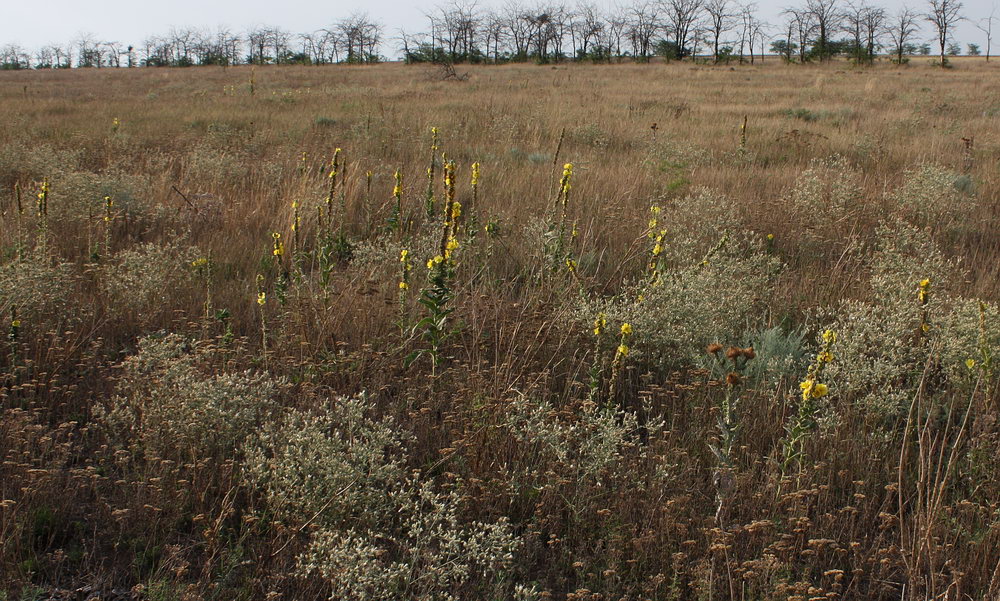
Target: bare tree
point(720, 20)
point(588, 25)
point(944, 15)
point(802, 25)
point(643, 25)
point(681, 17)
point(985, 25)
point(361, 37)
point(901, 30)
point(827, 17)
point(864, 23)
point(87, 52)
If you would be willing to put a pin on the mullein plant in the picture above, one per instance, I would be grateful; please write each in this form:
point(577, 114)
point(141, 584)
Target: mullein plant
point(597, 367)
point(405, 267)
point(473, 221)
point(430, 201)
point(262, 307)
point(733, 363)
point(13, 333)
point(332, 189)
point(18, 217)
point(436, 296)
point(277, 257)
point(562, 201)
point(618, 363)
point(804, 421)
point(395, 221)
point(42, 213)
point(109, 217)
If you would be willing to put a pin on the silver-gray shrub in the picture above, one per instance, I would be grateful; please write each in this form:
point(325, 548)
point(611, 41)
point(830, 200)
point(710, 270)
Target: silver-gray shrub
point(144, 279)
point(934, 196)
point(882, 350)
point(380, 531)
point(170, 404)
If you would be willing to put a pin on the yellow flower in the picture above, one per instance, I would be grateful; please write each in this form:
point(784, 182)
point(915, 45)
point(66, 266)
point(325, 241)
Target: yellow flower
point(829, 336)
point(475, 174)
point(456, 210)
point(16, 323)
point(403, 285)
point(600, 322)
point(626, 329)
point(820, 390)
point(199, 262)
point(970, 363)
point(770, 237)
point(925, 287)
point(452, 244)
point(261, 298)
point(435, 261)
point(403, 254)
point(571, 265)
point(807, 387)
point(824, 357)
point(622, 350)
point(279, 249)
point(657, 249)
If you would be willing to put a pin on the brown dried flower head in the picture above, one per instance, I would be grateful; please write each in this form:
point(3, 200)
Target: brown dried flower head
point(714, 348)
point(749, 353)
point(733, 352)
point(733, 379)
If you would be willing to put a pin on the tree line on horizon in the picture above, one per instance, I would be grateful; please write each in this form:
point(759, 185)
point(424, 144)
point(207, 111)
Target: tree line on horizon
point(462, 32)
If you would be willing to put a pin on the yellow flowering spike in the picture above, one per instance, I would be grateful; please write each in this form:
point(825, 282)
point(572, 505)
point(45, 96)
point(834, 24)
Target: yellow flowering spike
point(571, 265)
point(824, 357)
point(623, 350)
point(829, 336)
point(626, 329)
point(456, 210)
point(924, 289)
point(452, 244)
point(279, 249)
point(403, 254)
point(261, 298)
point(600, 322)
point(475, 174)
point(807, 387)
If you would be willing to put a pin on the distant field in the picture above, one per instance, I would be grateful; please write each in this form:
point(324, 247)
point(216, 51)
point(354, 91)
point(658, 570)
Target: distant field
point(683, 332)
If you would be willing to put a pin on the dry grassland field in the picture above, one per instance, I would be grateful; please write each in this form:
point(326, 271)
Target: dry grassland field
point(573, 332)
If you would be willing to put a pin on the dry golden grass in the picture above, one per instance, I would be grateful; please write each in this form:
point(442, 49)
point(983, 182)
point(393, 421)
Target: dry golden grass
point(199, 167)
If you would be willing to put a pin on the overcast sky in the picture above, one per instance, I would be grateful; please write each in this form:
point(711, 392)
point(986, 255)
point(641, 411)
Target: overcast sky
point(60, 21)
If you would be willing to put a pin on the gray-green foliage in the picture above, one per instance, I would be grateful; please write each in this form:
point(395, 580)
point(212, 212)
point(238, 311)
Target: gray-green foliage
point(710, 286)
point(170, 404)
point(380, 531)
point(934, 196)
point(37, 289)
point(142, 279)
point(825, 196)
point(882, 349)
